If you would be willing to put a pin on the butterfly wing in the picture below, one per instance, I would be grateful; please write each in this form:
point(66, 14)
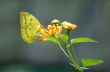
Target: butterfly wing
point(30, 26)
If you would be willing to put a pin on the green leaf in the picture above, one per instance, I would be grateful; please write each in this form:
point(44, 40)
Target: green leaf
point(90, 62)
point(51, 38)
point(81, 39)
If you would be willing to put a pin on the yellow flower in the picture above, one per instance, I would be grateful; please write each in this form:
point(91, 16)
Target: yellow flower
point(52, 30)
point(68, 25)
point(58, 30)
point(44, 32)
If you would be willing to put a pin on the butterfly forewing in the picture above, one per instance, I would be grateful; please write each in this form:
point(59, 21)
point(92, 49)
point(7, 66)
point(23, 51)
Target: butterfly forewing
point(30, 26)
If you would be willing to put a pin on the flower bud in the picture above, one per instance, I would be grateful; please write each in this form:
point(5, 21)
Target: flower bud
point(55, 21)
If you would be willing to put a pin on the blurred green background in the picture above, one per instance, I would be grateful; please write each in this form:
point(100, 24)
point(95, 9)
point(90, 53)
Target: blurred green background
point(92, 17)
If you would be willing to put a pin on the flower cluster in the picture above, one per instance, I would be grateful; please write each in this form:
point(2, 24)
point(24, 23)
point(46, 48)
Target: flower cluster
point(55, 29)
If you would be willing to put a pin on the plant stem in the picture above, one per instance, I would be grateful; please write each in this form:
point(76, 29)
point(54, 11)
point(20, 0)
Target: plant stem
point(72, 59)
point(72, 53)
point(63, 50)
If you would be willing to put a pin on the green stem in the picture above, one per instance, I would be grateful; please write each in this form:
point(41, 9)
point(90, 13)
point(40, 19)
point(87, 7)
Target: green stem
point(72, 53)
point(72, 59)
point(68, 54)
point(63, 50)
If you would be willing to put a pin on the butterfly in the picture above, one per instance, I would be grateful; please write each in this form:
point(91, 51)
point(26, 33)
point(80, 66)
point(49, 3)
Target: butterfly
point(30, 26)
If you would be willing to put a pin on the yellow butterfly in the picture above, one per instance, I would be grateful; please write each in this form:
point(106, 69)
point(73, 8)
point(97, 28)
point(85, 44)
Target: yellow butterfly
point(30, 26)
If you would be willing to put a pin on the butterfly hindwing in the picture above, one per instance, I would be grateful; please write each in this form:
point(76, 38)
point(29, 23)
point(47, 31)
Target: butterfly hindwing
point(30, 26)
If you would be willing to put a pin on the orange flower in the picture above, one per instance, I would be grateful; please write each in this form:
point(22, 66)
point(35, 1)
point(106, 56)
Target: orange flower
point(52, 30)
point(44, 32)
point(43, 39)
point(58, 30)
point(68, 25)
